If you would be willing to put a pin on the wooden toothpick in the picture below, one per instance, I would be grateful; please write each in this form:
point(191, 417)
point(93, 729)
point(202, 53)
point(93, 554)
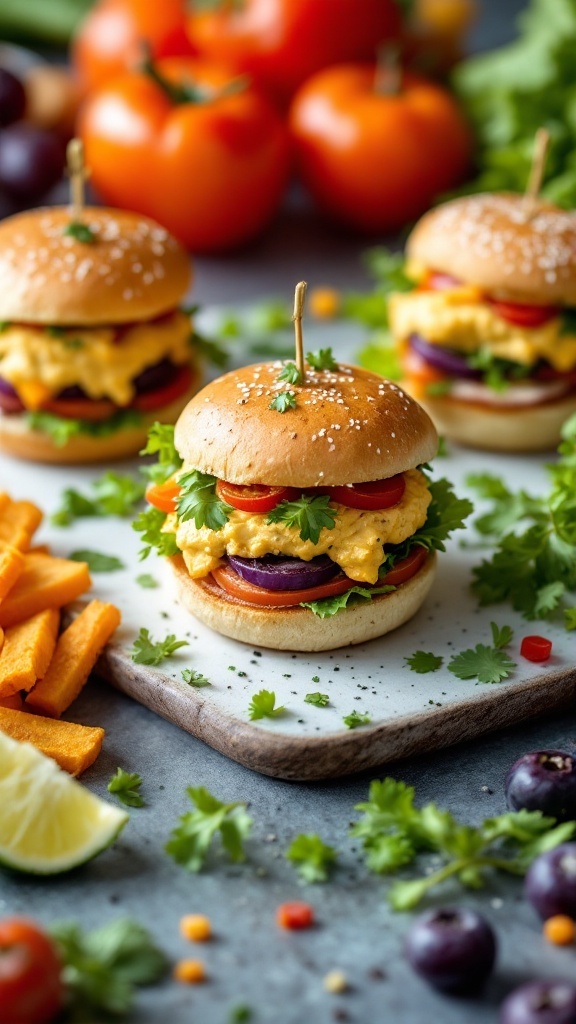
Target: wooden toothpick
point(536, 177)
point(299, 299)
point(78, 174)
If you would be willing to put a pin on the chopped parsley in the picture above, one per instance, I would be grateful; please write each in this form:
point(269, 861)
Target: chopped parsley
point(283, 401)
point(263, 705)
point(81, 232)
point(192, 837)
point(147, 651)
point(486, 664)
point(194, 678)
point(424, 661)
point(290, 373)
point(96, 561)
point(307, 514)
point(147, 581)
point(150, 524)
point(312, 857)
point(199, 501)
point(355, 719)
point(126, 786)
point(323, 359)
point(319, 700)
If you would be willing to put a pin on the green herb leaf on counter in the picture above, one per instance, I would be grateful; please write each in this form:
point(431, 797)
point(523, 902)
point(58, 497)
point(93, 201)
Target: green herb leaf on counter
point(424, 661)
point(61, 429)
point(146, 581)
point(199, 501)
point(126, 786)
point(355, 719)
point(96, 561)
point(113, 495)
point(194, 678)
point(325, 607)
point(240, 1015)
point(263, 705)
point(79, 231)
point(161, 443)
point(290, 373)
point(150, 524)
point(147, 651)
point(312, 857)
point(307, 514)
point(103, 967)
point(319, 700)
point(486, 664)
point(283, 401)
point(191, 839)
point(393, 832)
point(323, 359)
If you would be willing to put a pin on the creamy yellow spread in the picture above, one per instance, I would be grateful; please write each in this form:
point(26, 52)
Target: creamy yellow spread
point(355, 543)
point(458, 318)
point(40, 362)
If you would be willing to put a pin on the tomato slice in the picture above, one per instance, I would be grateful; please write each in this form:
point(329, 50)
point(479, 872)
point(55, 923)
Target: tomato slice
point(93, 409)
point(256, 498)
point(373, 495)
point(150, 400)
point(523, 315)
point(164, 496)
point(237, 587)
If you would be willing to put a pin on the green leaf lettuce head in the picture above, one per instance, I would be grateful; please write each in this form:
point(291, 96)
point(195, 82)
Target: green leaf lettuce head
point(192, 838)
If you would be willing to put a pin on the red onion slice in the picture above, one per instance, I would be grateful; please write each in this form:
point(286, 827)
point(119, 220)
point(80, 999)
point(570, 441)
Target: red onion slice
point(276, 573)
point(443, 359)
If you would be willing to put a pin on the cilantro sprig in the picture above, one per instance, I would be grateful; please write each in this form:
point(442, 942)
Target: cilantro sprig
point(394, 832)
point(160, 443)
point(113, 494)
point(150, 524)
point(199, 501)
point(307, 514)
point(97, 561)
point(126, 786)
point(290, 373)
point(484, 663)
point(263, 705)
point(356, 719)
point(323, 359)
point(194, 678)
point(283, 401)
point(147, 651)
point(191, 839)
point(312, 857)
point(424, 661)
point(319, 700)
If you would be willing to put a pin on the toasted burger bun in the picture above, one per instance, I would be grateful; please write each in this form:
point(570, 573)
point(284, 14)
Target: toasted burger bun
point(512, 247)
point(349, 426)
point(298, 629)
point(16, 438)
point(134, 270)
point(534, 428)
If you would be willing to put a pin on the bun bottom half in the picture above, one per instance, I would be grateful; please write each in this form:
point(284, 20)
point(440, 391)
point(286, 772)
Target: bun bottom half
point(298, 629)
point(18, 440)
point(535, 428)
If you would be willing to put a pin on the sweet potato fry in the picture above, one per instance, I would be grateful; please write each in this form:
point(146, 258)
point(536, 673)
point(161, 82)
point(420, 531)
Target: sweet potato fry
point(73, 747)
point(11, 567)
point(46, 582)
point(19, 520)
point(76, 654)
point(27, 652)
point(40, 549)
point(14, 701)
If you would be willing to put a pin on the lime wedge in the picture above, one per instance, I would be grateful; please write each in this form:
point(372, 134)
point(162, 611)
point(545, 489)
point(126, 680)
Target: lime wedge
point(49, 823)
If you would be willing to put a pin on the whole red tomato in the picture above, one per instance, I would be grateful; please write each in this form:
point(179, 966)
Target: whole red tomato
point(376, 149)
point(207, 159)
point(280, 43)
point(31, 987)
point(110, 40)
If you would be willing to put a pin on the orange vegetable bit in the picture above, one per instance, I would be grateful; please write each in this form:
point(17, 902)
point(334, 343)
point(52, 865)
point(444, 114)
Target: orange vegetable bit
point(40, 549)
point(19, 520)
point(190, 972)
point(324, 303)
point(45, 582)
point(27, 651)
point(560, 930)
point(73, 747)
point(14, 702)
point(196, 927)
point(295, 916)
point(76, 654)
point(11, 567)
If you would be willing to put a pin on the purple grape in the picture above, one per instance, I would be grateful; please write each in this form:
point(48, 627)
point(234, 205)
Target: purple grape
point(31, 161)
point(540, 1002)
point(551, 882)
point(543, 780)
point(12, 98)
point(453, 949)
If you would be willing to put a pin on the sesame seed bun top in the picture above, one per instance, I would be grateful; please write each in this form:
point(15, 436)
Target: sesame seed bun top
point(348, 426)
point(512, 247)
point(132, 270)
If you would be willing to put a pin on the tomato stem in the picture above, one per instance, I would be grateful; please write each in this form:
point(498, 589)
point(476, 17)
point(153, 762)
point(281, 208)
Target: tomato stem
point(187, 91)
point(388, 76)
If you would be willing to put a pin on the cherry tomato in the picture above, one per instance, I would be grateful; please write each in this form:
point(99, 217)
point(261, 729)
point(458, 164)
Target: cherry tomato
point(112, 36)
point(164, 496)
point(31, 986)
point(295, 916)
point(257, 498)
point(178, 143)
point(373, 157)
point(405, 569)
point(150, 400)
point(523, 315)
point(374, 495)
point(281, 43)
point(536, 648)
